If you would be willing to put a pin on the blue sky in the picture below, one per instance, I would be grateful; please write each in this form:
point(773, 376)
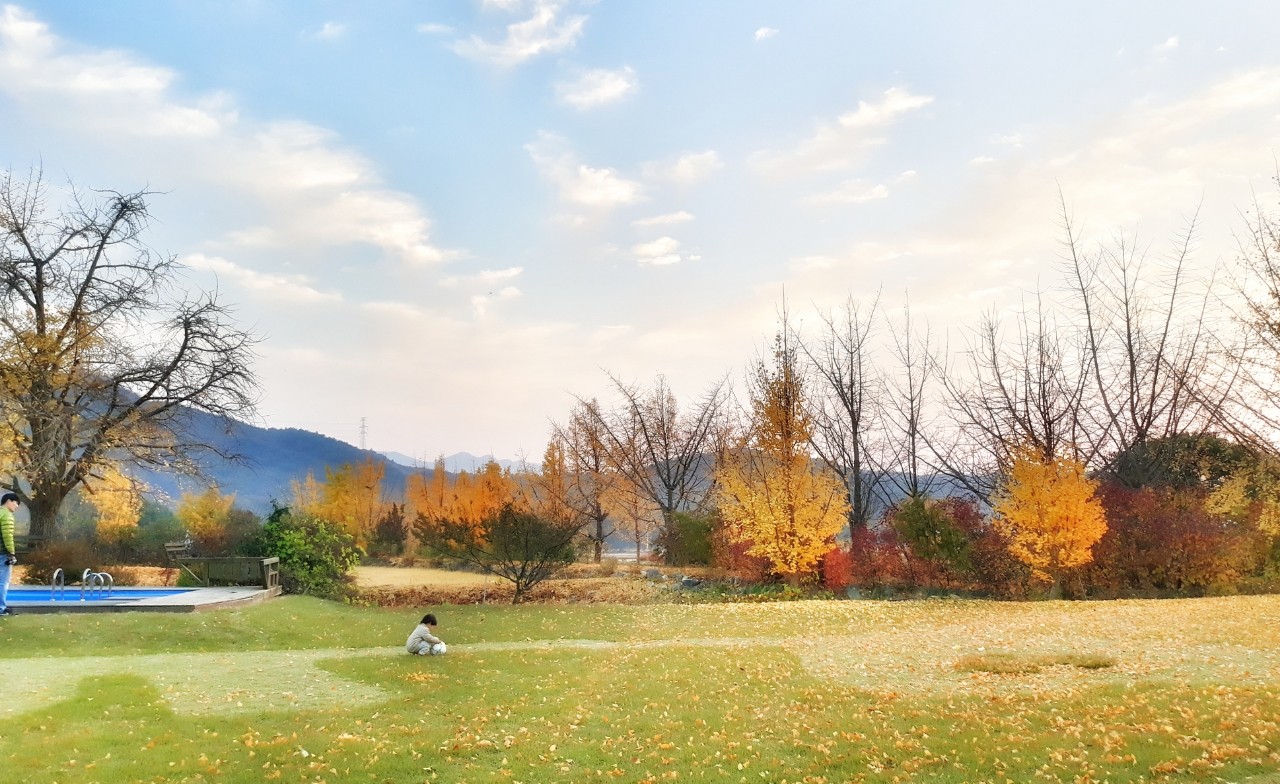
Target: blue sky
point(451, 217)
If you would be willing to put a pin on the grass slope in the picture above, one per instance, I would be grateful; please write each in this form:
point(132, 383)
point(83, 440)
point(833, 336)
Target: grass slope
point(303, 690)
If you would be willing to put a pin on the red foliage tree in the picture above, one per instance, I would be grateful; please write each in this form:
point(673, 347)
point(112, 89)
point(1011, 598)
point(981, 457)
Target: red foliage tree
point(1163, 541)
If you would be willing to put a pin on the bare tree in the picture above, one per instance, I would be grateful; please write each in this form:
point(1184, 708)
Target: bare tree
point(666, 455)
point(1151, 356)
point(908, 467)
point(1130, 357)
point(98, 360)
point(846, 403)
point(1252, 409)
point(1027, 395)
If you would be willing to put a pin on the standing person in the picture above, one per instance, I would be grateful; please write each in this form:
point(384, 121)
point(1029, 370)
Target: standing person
point(423, 641)
point(8, 505)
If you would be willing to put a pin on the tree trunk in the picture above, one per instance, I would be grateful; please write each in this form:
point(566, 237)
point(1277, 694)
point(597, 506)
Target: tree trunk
point(44, 516)
point(669, 536)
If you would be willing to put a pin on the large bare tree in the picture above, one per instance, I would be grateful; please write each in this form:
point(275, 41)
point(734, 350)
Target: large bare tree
point(664, 454)
point(101, 353)
point(1153, 359)
point(848, 393)
point(909, 465)
point(1011, 394)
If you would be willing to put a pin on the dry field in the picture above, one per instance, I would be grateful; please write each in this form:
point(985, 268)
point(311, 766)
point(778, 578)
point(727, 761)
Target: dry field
point(409, 577)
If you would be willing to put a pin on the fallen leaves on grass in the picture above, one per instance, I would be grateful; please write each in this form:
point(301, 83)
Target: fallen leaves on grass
point(1025, 664)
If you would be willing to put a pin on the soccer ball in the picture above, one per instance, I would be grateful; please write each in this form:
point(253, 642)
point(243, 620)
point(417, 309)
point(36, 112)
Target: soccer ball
point(438, 649)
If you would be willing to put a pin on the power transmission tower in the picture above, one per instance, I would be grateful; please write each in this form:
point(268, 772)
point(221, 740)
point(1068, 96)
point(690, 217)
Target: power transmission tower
point(364, 431)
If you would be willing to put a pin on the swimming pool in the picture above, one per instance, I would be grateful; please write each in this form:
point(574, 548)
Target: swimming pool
point(22, 594)
point(35, 599)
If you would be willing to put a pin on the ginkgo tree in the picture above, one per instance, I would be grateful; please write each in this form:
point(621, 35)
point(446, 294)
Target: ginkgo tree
point(102, 354)
point(117, 497)
point(1048, 511)
point(773, 496)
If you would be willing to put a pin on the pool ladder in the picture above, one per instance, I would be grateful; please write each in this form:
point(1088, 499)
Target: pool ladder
point(57, 586)
point(97, 584)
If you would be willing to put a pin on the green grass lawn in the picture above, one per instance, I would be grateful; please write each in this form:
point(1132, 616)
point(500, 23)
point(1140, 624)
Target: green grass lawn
point(300, 690)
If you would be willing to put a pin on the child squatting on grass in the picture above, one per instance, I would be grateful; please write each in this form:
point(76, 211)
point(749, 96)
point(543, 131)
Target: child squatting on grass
point(423, 641)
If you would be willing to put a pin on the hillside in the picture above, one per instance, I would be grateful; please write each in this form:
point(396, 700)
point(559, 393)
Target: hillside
point(272, 459)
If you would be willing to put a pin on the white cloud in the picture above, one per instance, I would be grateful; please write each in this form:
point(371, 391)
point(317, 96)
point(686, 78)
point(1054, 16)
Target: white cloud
point(659, 247)
point(765, 32)
point(657, 253)
point(1168, 46)
point(906, 176)
point(290, 288)
point(843, 143)
point(851, 192)
point(432, 28)
point(330, 31)
point(598, 87)
point(543, 33)
point(1013, 140)
point(688, 169)
point(982, 160)
point(484, 278)
point(668, 219)
point(303, 187)
point(577, 182)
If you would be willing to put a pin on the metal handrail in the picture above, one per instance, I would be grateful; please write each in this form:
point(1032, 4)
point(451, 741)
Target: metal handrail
point(57, 585)
point(96, 584)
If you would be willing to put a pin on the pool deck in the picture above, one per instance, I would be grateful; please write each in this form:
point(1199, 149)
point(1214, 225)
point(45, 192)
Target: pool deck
point(194, 600)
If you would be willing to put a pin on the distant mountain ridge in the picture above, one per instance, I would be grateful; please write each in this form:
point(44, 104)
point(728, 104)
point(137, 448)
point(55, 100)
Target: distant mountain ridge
point(273, 459)
point(459, 461)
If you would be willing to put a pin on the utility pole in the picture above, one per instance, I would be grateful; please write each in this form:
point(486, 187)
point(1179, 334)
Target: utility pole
point(364, 431)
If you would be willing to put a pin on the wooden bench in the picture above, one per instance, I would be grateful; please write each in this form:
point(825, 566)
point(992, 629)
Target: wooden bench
point(175, 550)
point(234, 571)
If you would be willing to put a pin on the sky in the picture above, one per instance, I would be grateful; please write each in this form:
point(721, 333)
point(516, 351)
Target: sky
point(448, 220)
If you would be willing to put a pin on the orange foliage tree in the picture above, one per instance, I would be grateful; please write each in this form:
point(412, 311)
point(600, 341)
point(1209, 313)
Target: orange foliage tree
point(1048, 511)
point(773, 496)
point(350, 496)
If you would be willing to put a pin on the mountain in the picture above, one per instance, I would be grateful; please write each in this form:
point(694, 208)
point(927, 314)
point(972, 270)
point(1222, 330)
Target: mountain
point(273, 458)
point(459, 461)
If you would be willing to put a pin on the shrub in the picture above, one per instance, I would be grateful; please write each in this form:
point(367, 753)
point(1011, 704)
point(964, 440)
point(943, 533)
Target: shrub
point(927, 527)
point(1162, 541)
point(732, 557)
point(837, 570)
point(315, 555)
point(687, 540)
point(522, 547)
point(72, 556)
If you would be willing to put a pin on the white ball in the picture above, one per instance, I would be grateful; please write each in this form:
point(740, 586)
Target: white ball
point(438, 649)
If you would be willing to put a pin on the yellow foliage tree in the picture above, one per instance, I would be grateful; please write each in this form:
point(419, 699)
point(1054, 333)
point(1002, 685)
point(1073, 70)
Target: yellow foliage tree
point(118, 501)
point(205, 516)
point(773, 496)
point(1048, 512)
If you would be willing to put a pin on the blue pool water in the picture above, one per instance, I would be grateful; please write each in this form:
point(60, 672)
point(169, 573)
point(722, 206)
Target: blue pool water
point(32, 593)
